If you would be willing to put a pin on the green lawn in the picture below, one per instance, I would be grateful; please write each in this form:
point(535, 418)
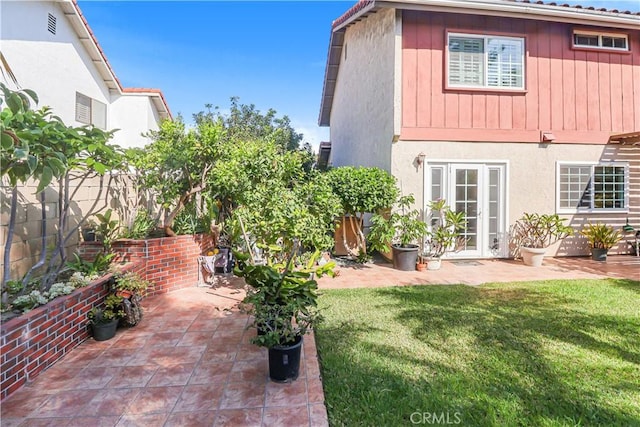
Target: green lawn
point(555, 353)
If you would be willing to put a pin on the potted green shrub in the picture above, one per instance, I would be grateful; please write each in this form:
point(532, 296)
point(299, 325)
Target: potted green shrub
point(444, 236)
point(104, 320)
point(406, 229)
point(601, 238)
point(282, 302)
point(88, 231)
point(361, 190)
point(131, 288)
point(534, 233)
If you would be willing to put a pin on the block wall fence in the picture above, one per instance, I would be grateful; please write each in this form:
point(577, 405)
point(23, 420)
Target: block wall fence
point(117, 192)
point(36, 340)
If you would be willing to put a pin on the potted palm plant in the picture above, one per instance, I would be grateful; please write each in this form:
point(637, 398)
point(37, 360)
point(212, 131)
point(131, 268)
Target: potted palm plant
point(444, 236)
point(534, 233)
point(282, 302)
point(406, 230)
point(601, 238)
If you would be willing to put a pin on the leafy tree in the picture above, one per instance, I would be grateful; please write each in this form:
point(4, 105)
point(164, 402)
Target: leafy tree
point(362, 190)
point(37, 145)
point(267, 189)
point(244, 122)
point(177, 163)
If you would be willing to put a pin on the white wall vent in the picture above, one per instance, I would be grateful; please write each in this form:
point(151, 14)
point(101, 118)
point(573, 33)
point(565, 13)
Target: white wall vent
point(51, 24)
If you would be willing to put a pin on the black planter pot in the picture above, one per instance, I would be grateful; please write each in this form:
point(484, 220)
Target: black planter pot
point(599, 254)
point(104, 331)
point(405, 258)
point(284, 361)
point(88, 235)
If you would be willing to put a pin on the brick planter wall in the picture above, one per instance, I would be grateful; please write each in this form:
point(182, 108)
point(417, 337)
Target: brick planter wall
point(171, 263)
point(37, 339)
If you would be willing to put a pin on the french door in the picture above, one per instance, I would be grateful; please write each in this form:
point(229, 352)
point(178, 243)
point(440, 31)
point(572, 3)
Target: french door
point(478, 190)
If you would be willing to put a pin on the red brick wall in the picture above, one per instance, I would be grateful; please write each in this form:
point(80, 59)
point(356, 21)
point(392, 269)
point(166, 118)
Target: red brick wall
point(171, 263)
point(36, 340)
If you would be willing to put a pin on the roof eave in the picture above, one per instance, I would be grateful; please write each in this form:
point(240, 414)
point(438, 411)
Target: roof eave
point(80, 25)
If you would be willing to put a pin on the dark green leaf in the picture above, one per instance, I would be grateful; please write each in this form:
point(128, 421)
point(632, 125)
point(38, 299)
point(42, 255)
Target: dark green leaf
point(45, 179)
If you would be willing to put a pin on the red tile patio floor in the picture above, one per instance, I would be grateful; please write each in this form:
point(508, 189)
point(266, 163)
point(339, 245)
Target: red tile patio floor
point(190, 363)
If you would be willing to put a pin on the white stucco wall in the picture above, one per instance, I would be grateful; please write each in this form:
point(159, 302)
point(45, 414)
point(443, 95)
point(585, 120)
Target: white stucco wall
point(362, 112)
point(531, 177)
point(134, 115)
point(56, 66)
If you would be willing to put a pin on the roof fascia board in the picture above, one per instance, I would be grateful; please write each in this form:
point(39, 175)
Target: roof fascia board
point(72, 12)
point(358, 15)
point(520, 10)
point(81, 26)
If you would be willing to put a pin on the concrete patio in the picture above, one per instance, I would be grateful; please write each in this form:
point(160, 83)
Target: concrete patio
point(476, 272)
point(190, 363)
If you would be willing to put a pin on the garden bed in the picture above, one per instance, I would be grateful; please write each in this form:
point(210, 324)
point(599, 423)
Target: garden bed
point(35, 340)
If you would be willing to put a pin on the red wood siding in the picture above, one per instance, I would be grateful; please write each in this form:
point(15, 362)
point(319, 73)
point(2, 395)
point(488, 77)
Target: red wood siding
point(580, 96)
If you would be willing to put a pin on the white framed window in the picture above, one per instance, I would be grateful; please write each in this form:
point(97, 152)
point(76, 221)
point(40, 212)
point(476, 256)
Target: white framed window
point(585, 187)
point(91, 111)
point(595, 40)
point(491, 62)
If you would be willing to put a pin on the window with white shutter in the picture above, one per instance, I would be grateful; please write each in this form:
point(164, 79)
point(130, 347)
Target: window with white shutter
point(83, 108)
point(98, 114)
point(476, 61)
point(90, 111)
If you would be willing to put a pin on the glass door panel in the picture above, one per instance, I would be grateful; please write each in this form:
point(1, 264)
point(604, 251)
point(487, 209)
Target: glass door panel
point(467, 189)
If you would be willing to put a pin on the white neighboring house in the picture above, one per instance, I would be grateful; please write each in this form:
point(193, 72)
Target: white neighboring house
point(50, 49)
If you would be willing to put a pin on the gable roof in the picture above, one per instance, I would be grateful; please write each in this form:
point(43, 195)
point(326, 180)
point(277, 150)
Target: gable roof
point(80, 25)
point(523, 9)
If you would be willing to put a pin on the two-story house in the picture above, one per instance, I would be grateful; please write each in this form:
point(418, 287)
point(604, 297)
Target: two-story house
point(500, 107)
point(49, 48)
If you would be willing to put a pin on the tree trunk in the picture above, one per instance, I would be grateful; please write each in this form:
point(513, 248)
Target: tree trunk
point(43, 241)
point(6, 274)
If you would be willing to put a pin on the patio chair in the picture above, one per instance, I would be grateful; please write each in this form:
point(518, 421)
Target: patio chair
point(635, 243)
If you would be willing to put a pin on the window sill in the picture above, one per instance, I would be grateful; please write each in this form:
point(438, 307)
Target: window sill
point(486, 90)
point(601, 50)
point(590, 211)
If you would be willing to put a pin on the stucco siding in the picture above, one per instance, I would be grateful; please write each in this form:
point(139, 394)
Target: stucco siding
point(55, 66)
point(133, 115)
point(531, 177)
point(363, 107)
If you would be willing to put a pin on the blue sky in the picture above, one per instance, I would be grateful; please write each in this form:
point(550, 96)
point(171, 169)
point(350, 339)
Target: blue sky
point(269, 53)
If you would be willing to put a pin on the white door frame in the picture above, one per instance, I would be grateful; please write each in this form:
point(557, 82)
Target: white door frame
point(444, 185)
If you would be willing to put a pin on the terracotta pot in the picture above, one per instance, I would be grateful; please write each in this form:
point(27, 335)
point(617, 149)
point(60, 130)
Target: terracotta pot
point(421, 267)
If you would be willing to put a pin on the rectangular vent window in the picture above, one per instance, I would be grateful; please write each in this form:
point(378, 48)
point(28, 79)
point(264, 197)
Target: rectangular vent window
point(51, 25)
point(585, 39)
